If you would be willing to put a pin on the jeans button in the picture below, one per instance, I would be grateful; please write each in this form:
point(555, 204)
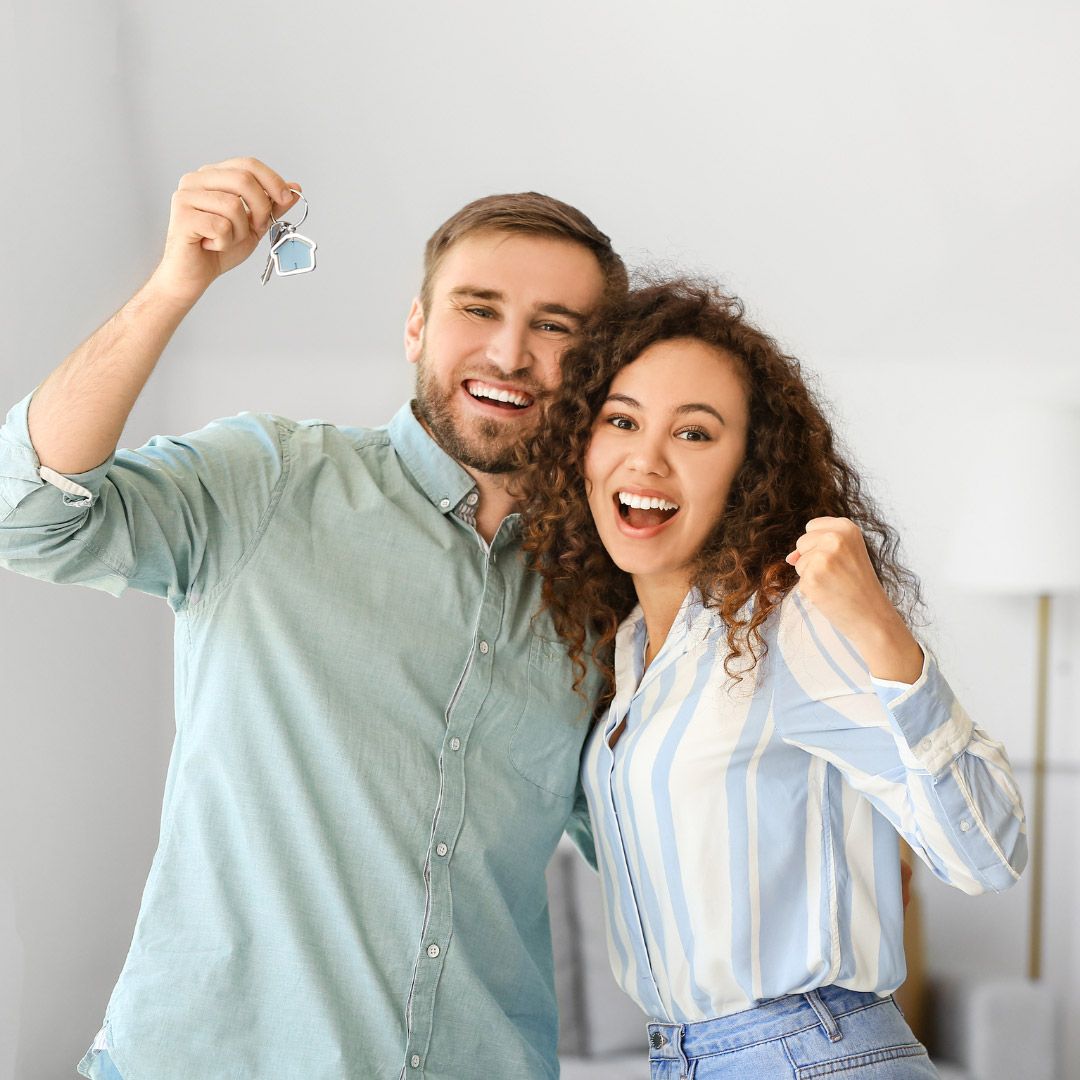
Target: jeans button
point(656, 1040)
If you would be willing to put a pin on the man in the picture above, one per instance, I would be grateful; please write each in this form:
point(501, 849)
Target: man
point(377, 745)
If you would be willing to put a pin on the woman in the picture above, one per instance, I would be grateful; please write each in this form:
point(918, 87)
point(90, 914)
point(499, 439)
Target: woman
point(770, 718)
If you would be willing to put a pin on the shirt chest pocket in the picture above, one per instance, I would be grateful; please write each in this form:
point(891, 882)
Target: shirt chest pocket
point(545, 748)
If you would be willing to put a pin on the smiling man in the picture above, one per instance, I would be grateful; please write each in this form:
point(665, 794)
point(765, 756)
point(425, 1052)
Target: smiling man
point(377, 745)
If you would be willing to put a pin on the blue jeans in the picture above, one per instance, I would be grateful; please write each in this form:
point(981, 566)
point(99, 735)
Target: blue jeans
point(829, 1032)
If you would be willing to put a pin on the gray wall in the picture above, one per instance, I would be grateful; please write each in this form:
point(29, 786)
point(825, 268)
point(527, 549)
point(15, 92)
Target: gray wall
point(892, 188)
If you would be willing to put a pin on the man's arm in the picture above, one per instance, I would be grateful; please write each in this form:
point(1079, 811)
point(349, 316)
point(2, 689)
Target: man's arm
point(219, 214)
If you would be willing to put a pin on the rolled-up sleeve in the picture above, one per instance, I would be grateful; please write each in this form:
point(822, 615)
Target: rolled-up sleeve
point(174, 518)
point(21, 474)
point(911, 749)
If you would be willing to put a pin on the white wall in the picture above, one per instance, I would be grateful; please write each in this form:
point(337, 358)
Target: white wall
point(891, 188)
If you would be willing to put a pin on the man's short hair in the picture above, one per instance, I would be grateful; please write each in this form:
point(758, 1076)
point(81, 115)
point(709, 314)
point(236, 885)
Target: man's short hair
point(527, 212)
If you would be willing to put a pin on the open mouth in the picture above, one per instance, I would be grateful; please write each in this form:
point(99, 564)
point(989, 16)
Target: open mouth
point(501, 398)
point(644, 511)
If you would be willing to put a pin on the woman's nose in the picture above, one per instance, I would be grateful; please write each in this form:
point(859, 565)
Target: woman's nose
point(647, 457)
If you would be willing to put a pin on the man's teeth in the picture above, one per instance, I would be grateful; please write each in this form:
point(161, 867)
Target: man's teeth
point(520, 400)
point(644, 502)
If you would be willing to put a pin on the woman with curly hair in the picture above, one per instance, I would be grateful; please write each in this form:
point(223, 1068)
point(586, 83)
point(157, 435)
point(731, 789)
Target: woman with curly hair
point(770, 721)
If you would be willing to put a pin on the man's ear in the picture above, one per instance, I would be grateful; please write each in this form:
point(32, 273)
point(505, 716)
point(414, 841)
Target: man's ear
point(414, 332)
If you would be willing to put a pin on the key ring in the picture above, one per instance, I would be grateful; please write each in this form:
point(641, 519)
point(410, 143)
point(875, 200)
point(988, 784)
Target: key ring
point(274, 220)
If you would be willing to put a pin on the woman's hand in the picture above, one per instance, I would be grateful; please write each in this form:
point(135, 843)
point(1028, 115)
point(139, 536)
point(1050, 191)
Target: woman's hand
point(836, 574)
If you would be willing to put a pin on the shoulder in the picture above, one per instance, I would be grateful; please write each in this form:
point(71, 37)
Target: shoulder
point(229, 443)
point(252, 442)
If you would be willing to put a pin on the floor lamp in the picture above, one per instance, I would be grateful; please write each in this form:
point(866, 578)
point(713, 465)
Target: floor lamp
point(1017, 518)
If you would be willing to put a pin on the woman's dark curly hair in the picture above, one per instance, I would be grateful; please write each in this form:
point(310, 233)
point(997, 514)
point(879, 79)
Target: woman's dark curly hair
point(793, 471)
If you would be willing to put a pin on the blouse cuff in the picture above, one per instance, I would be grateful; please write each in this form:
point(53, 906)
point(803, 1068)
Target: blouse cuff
point(927, 716)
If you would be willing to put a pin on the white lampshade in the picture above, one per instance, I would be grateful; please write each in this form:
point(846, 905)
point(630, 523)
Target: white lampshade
point(1015, 524)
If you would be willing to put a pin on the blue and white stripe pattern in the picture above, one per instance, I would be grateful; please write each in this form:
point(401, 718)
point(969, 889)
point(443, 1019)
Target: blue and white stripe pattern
point(746, 833)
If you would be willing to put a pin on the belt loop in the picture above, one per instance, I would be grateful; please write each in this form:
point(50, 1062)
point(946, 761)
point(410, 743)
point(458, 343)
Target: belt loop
point(826, 1018)
point(663, 1035)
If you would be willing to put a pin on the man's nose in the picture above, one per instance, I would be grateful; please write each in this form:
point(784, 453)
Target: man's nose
point(508, 347)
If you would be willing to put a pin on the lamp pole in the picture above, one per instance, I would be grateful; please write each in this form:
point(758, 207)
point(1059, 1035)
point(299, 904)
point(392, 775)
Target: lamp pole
point(1038, 790)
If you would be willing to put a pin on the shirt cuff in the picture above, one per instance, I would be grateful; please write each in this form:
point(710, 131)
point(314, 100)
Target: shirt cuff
point(21, 473)
point(927, 716)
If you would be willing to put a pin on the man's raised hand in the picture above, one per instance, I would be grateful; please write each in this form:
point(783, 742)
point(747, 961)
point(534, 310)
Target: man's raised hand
point(219, 214)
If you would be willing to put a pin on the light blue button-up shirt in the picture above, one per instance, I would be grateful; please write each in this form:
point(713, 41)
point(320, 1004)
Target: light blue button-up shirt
point(376, 752)
point(746, 832)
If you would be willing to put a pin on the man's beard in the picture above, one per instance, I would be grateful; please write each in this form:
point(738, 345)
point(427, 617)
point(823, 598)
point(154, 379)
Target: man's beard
point(486, 446)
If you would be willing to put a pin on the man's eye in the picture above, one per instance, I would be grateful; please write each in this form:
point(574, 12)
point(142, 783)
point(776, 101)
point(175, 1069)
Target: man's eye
point(483, 312)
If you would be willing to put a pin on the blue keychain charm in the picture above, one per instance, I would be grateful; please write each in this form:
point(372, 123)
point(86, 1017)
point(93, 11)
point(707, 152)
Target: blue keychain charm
point(290, 253)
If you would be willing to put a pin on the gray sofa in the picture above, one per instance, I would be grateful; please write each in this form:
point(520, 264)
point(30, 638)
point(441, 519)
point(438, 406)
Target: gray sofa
point(992, 1030)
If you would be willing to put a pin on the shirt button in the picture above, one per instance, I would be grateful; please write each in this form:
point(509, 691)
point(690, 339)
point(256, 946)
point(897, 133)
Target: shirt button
point(484, 647)
point(472, 498)
point(441, 849)
point(926, 744)
point(433, 950)
point(444, 503)
point(455, 743)
point(965, 825)
point(414, 1061)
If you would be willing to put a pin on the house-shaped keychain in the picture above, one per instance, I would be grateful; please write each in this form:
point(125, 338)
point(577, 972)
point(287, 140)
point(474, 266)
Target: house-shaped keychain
point(290, 252)
point(293, 254)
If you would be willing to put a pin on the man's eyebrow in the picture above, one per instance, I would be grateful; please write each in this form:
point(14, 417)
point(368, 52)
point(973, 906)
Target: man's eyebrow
point(562, 309)
point(689, 407)
point(475, 292)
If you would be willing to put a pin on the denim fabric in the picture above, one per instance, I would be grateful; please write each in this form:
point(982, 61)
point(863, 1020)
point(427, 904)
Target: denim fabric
point(99, 1066)
point(827, 1032)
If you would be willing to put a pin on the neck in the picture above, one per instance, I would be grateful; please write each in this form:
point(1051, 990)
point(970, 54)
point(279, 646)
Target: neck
point(495, 501)
point(660, 601)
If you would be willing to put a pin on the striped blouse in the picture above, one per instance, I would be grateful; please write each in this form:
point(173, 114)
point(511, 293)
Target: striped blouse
point(745, 832)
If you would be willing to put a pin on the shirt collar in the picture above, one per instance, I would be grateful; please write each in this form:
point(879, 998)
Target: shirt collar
point(693, 624)
point(439, 476)
point(692, 616)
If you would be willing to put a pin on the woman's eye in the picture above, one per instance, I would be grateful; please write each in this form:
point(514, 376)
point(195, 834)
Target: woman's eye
point(554, 328)
point(623, 423)
point(694, 435)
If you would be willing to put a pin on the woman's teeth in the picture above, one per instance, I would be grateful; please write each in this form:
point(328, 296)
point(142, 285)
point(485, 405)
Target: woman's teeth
point(645, 502)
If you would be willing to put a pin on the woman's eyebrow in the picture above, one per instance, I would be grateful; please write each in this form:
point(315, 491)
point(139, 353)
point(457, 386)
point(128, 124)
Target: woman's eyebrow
point(700, 406)
point(625, 399)
point(689, 407)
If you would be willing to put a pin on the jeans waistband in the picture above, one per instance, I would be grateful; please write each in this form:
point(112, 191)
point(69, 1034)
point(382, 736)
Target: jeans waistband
point(769, 1020)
